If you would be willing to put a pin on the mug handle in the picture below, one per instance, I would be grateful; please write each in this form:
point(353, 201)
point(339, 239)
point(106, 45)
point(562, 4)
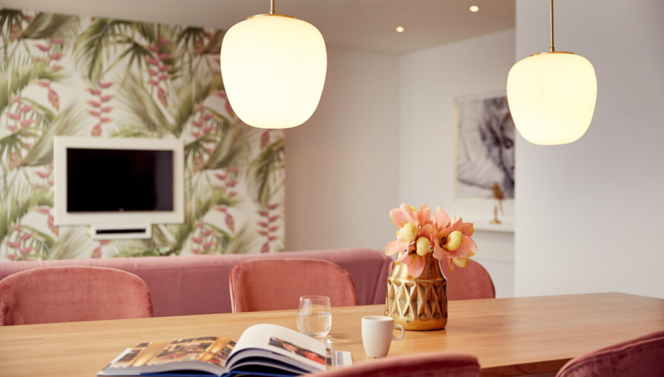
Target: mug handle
point(403, 332)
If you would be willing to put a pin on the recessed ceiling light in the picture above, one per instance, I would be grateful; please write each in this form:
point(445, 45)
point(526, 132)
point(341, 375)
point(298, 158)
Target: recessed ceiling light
point(474, 8)
point(400, 29)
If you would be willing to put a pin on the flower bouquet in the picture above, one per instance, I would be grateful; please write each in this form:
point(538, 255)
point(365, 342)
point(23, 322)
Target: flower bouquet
point(417, 288)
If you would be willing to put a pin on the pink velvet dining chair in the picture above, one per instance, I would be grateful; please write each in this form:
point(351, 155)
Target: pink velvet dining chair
point(277, 284)
point(435, 364)
point(643, 356)
point(469, 283)
point(72, 294)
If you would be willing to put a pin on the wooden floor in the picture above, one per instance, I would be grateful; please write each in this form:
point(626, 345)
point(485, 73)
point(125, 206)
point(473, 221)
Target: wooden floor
point(513, 336)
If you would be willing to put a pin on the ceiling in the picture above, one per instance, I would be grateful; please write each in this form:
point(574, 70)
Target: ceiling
point(367, 25)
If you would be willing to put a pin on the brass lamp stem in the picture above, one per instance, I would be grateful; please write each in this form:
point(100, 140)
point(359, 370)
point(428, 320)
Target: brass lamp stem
point(551, 49)
point(271, 6)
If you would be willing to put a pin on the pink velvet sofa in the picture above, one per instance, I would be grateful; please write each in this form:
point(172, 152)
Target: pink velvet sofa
point(199, 284)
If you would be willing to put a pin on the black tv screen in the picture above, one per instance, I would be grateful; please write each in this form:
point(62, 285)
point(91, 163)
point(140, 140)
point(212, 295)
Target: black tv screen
point(116, 180)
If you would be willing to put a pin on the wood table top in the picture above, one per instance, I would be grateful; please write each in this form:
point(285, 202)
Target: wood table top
point(512, 336)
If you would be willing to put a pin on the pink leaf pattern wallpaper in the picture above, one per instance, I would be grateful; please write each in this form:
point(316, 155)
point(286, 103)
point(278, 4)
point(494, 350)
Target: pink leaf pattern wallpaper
point(99, 77)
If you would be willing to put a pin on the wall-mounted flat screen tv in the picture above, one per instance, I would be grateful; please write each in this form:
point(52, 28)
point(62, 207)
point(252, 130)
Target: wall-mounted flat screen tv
point(117, 180)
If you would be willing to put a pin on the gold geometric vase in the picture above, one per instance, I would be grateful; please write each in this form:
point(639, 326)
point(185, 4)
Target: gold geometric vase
point(417, 303)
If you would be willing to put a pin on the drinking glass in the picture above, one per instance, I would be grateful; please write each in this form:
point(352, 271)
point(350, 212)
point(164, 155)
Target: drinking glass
point(314, 316)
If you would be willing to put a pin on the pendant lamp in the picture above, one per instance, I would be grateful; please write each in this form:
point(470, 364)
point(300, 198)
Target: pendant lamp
point(273, 68)
point(552, 95)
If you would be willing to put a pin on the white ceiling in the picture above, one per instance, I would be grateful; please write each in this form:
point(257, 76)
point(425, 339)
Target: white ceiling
point(352, 24)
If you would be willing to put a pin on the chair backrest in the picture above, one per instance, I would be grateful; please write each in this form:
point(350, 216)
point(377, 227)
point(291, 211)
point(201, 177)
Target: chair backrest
point(469, 283)
point(72, 294)
point(435, 364)
point(277, 284)
point(638, 357)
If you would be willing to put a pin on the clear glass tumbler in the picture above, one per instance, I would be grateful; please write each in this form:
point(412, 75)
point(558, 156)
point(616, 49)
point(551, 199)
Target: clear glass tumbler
point(314, 316)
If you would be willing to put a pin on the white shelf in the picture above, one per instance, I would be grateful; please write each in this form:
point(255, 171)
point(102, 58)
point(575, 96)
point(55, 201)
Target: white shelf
point(486, 226)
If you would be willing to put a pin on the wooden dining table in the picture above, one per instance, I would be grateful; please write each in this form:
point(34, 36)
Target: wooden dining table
point(512, 336)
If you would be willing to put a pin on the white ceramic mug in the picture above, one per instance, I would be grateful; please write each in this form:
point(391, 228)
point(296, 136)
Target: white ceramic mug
point(377, 335)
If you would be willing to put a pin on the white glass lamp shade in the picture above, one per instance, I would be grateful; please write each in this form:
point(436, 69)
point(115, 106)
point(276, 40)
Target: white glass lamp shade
point(273, 68)
point(552, 97)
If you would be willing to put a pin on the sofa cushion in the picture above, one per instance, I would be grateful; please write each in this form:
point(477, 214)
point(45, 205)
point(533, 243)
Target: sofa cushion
point(198, 284)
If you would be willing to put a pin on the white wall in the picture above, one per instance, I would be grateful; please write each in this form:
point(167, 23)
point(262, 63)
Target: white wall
point(343, 164)
point(591, 214)
point(430, 81)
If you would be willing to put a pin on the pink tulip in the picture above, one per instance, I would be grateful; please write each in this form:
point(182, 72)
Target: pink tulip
point(14, 116)
point(207, 117)
point(196, 134)
point(14, 245)
point(12, 128)
point(164, 68)
point(44, 48)
point(273, 218)
point(196, 251)
point(54, 99)
point(96, 130)
point(55, 56)
point(221, 208)
point(95, 113)
point(273, 238)
point(263, 224)
point(51, 183)
point(163, 77)
point(265, 248)
point(165, 42)
point(105, 85)
point(16, 99)
point(152, 72)
point(263, 213)
point(94, 103)
point(105, 242)
point(207, 245)
point(264, 233)
point(221, 176)
point(207, 130)
point(197, 123)
point(230, 222)
point(164, 56)
point(57, 41)
point(207, 232)
point(43, 174)
point(163, 97)
point(106, 98)
point(12, 257)
point(44, 84)
point(27, 250)
point(153, 48)
point(273, 229)
point(153, 82)
point(198, 240)
point(94, 92)
point(232, 170)
point(106, 109)
point(96, 253)
point(44, 210)
point(231, 184)
point(26, 108)
point(272, 206)
point(105, 120)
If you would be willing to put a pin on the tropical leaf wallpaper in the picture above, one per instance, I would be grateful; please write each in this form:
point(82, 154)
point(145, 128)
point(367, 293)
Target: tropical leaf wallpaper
point(100, 77)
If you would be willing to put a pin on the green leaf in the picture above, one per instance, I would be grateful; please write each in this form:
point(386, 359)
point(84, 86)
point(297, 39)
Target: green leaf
point(266, 172)
point(51, 25)
point(72, 243)
point(67, 122)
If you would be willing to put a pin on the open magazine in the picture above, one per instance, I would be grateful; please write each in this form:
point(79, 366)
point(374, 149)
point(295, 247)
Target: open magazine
point(263, 350)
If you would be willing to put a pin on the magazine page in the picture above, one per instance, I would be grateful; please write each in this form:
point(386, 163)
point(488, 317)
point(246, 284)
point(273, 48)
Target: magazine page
point(208, 354)
point(308, 353)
